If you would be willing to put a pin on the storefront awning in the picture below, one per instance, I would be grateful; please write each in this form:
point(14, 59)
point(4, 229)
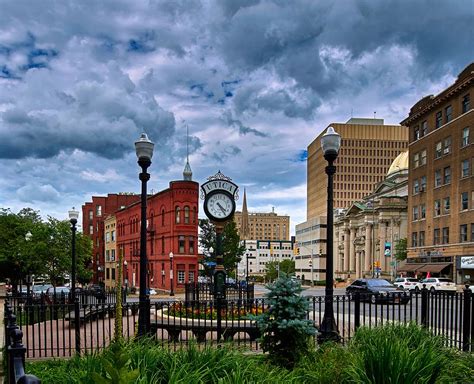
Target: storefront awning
point(405, 267)
point(433, 267)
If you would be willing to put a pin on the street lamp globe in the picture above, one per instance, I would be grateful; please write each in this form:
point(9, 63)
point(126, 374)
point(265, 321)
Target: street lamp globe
point(73, 215)
point(171, 255)
point(125, 263)
point(28, 236)
point(144, 148)
point(331, 142)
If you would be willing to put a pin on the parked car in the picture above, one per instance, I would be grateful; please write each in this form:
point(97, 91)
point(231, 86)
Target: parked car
point(435, 284)
point(406, 283)
point(377, 290)
point(39, 290)
point(58, 295)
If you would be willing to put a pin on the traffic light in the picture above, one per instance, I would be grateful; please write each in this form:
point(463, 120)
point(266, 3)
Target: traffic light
point(297, 251)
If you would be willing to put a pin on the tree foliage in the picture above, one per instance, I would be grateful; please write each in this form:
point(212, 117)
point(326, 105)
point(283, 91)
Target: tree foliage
point(284, 327)
point(273, 268)
point(231, 246)
point(47, 252)
point(401, 249)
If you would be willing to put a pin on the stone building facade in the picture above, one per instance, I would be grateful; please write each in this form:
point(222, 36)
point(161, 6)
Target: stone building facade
point(367, 232)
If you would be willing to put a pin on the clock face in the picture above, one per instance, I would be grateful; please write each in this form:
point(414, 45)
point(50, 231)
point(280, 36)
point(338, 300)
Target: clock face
point(220, 206)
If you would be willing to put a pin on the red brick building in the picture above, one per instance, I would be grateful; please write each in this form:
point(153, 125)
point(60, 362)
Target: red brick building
point(172, 226)
point(93, 216)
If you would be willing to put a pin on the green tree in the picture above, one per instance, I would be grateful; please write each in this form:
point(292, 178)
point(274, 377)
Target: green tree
point(273, 268)
point(231, 246)
point(46, 252)
point(284, 327)
point(401, 249)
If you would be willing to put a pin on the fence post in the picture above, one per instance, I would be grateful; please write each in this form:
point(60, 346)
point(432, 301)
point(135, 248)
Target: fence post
point(77, 325)
point(466, 319)
point(424, 306)
point(16, 353)
point(356, 310)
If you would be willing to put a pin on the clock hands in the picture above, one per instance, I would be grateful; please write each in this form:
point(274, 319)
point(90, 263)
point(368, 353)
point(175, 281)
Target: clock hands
point(221, 207)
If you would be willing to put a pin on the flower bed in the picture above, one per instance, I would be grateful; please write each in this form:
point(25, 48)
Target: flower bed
point(210, 312)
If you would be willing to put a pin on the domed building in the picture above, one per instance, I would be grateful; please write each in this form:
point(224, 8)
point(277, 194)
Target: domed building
point(366, 233)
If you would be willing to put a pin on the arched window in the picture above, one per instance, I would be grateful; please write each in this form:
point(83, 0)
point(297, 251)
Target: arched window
point(178, 215)
point(186, 215)
point(194, 215)
point(163, 217)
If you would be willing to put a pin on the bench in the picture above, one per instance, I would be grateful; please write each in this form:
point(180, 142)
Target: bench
point(199, 328)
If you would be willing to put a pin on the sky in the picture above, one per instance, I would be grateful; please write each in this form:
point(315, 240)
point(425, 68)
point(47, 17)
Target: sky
point(254, 81)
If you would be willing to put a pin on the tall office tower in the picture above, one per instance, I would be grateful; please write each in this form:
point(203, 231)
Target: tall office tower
point(441, 182)
point(368, 148)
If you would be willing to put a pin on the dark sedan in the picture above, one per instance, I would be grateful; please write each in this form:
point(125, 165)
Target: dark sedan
point(377, 290)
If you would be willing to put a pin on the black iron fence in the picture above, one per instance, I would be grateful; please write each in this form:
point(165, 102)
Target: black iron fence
point(205, 292)
point(52, 330)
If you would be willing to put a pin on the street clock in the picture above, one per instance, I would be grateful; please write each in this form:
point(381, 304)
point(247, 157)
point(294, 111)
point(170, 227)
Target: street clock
point(219, 206)
point(219, 194)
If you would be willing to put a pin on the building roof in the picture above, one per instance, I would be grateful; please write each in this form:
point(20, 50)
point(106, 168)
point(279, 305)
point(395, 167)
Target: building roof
point(399, 164)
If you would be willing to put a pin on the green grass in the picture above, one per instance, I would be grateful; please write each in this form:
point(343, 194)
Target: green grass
point(388, 354)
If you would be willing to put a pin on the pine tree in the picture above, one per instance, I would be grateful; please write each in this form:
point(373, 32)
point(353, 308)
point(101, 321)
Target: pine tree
point(285, 330)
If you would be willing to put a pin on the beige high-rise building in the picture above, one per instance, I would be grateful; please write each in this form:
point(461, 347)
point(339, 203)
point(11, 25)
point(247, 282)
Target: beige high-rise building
point(261, 226)
point(368, 148)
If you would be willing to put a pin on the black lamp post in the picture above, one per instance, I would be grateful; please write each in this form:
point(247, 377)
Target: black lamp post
point(28, 238)
point(330, 143)
point(125, 264)
point(144, 150)
point(171, 274)
point(73, 215)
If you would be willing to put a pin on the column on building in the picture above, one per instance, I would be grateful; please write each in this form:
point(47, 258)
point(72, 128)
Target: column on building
point(383, 239)
point(357, 263)
point(368, 247)
point(352, 249)
point(346, 250)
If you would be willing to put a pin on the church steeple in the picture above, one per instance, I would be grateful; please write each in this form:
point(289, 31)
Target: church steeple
point(244, 229)
point(187, 173)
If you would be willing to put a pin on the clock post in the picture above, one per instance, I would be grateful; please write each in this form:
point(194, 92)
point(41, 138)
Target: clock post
point(219, 194)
